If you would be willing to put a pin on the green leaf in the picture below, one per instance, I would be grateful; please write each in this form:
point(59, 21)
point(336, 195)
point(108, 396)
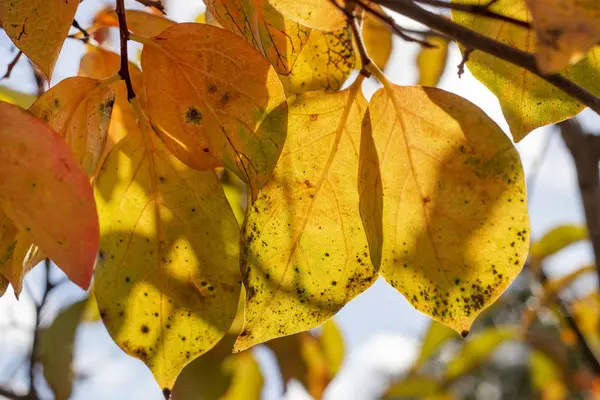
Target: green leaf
point(304, 253)
point(167, 283)
point(443, 202)
point(557, 239)
point(527, 101)
point(413, 386)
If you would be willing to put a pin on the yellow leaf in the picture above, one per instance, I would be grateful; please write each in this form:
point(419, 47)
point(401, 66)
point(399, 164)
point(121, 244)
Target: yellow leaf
point(215, 100)
point(322, 15)
point(167, 284)
point(557, 239)
point(377, 37)
point(332, 342)
point(324, 63)
point(566, 30)
point(46, 194)
point(235, 191)
point(414, 387)
point(38, 28)
point(546, 377)
point(432, 61)
point(478, 350)
point(449, 188)
point(527, 101)
point(247, 382)
point(586, 311)
point(436, 336)
point(139, 22)
point(279, 39)
point(207, 18)
point(11, 96)
point(304, 253)
point(79, 109)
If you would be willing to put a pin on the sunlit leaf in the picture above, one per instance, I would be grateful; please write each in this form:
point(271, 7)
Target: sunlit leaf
point(23, 100)
point(167, 284)
point(332, 342)
point(323, 15)
point(377, 37)
point(235, 191)
point(139, 22)
point(46, 193)
point(324, 63)
point(557, 239)
point(304, 253)
point(437, 335)
point(278, 38)
point(448, 186)
point(478, 350)
point(432, 61)
point(79, 109)
point(38, 27)
point(211, 108)
point(527, 101)
point(565, 30)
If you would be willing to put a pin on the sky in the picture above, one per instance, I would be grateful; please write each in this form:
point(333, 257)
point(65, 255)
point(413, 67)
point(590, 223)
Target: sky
point(380, 328)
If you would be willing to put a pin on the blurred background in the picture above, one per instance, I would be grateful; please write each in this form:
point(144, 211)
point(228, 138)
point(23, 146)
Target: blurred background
point(378, 345)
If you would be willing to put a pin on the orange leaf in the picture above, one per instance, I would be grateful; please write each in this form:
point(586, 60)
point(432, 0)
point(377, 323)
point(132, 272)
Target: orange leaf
point(47, 194)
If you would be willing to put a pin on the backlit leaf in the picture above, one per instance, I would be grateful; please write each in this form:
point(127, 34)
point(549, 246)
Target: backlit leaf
point(304, 253)
point(322, 15)
point(478, 350)
point(377, 37)
point(452, 200)
point(565, 30)
point(324, 63)
point(38, 27)
point(557, 239)
point(332, 342)
point(79, 109)
point(139, 22)
point(47, 194)
point(278, 38)
point(167, 284)
point(432, 61)
point(527, 101)
point(215, 100)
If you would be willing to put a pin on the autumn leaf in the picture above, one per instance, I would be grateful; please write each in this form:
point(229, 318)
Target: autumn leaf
point(38, 28)
point(211, 108)
point(324, 63)
point(168, 281)
point(443, 201)
point(565, 31)
point(431, 61)
point(79, 109)
point(322, 15)
point(46, 194)
point(139, 22)
point(3, 285)
point(527, 101)
point(23, 100)
point(557, 239)
point(304, 253)
point(278, 38)
point(332, 342)
point(377, 38)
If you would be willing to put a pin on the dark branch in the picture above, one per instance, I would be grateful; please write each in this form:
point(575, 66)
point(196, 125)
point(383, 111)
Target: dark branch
point(12, 395)
point(11, 66)
point(153, 3)
point(76, 25)
point(124, 38)
point(474, 40)
point(482, 10)
point(584, 149)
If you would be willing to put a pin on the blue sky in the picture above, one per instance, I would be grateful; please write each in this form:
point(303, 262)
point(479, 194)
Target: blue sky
point(381, 329)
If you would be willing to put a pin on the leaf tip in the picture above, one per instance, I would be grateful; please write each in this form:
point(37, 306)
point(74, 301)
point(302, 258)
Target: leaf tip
point(166, 393)
point(464, 333)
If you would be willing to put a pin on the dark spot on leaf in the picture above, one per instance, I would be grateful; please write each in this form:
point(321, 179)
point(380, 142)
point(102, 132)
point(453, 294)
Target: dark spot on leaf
point(193, 116)
point(464, 334)
point(144, 329)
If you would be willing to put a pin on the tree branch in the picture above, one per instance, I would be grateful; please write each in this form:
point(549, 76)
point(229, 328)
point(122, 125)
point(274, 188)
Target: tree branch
point(476, 41)
point(11, 65)
point(124, 38)
point(584, 150)
point(12, 395)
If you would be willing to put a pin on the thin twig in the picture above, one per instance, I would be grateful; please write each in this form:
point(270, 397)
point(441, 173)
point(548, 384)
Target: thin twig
point(124, 36)
point(585, 156)
point(488, 45)
point(86, 35)
point(482, 10)
point(12, 395)
point(153, 3)
point(11, 66)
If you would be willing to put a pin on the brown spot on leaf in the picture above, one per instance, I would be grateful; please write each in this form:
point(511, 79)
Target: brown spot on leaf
point(193, 116)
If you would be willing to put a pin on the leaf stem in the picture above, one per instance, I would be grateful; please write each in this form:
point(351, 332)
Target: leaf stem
point(476, 41)
point(124, 38)
point(110, 80)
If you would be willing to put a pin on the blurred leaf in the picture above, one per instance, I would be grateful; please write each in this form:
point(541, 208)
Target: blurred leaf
point(556, 285)
point(478, 350)
point(332, 342)
point(417, 386)
point(23, 100)
point(586, 311)
point(247, 382)
point(557, 239)
point(432, 61)
point(139, 22)
point(436, 336)
point(377, 37)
